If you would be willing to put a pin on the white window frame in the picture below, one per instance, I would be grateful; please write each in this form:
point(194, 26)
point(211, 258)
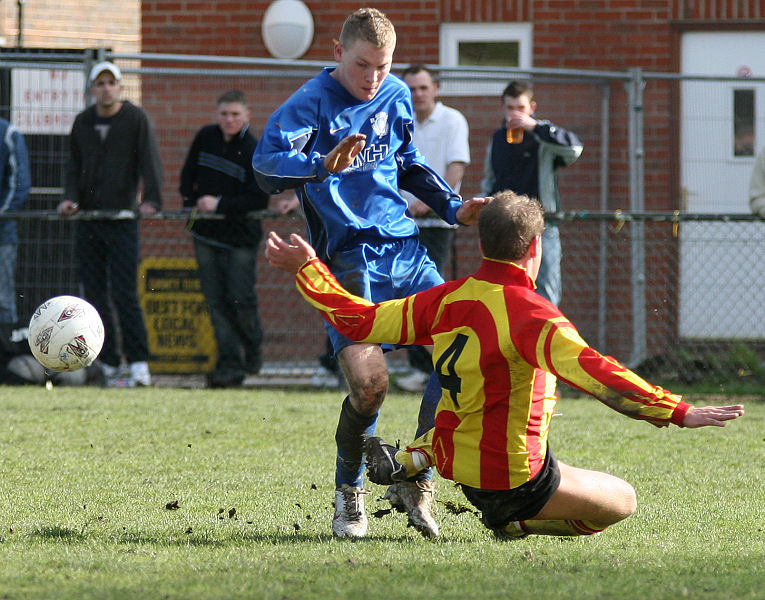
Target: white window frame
point(451, 34)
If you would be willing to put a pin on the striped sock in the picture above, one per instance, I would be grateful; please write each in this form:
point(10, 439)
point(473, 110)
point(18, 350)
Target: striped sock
point(560, 527)
point(585, 527)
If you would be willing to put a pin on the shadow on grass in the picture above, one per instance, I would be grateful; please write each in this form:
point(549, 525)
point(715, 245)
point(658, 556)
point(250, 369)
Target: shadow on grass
point(202, 539)
point(58, 533)
point(73, 536)
point(274, 539)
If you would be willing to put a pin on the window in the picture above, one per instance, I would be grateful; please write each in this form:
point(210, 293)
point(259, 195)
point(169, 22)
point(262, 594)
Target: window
point(743, 122)
point(483, 45)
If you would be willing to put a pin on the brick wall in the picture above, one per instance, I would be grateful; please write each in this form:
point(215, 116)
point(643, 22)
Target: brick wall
point(74, 24)
point(575, 34)
point(582, 34)
point(611, 35)
point(567, 33)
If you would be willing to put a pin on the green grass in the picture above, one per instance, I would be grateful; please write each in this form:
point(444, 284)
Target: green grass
point(86, 476)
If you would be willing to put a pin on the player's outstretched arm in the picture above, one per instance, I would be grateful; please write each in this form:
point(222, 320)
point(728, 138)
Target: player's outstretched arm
point(287, 256)
point(701, 416)
point(468, 213)
point(343, 155)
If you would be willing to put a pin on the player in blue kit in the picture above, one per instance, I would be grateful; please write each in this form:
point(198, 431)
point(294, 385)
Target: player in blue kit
point(344, 142)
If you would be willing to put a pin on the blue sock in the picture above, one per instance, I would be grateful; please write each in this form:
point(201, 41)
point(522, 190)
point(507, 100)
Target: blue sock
point(427, 417)
point(352, 428)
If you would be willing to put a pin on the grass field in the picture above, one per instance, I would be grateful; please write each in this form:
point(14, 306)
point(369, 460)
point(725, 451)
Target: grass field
point(181, 493)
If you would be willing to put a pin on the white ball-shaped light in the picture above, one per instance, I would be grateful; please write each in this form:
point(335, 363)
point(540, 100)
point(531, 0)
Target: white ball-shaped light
point(287, 28)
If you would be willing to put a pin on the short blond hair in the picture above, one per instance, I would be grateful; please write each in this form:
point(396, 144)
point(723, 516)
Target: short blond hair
point(369, 25)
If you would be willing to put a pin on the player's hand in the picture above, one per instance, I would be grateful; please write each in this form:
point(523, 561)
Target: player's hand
point(343, 155)
point(67, 207)
point(288, 257)
point(468, 213)
point(701, 416)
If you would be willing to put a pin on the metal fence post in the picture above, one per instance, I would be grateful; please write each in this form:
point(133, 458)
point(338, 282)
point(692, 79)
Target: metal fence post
point(605, 119)
point(637, 205)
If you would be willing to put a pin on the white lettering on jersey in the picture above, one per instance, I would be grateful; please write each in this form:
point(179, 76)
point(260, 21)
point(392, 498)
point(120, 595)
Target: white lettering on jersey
point(370, 157)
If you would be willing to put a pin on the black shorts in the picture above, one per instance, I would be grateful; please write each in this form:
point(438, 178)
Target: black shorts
point(501, 507)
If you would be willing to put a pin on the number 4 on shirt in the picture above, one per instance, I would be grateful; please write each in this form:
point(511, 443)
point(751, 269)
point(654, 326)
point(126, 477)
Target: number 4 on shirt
point(448, 378)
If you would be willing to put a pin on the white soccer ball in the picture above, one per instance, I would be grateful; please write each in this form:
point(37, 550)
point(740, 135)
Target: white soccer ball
point(66, 333)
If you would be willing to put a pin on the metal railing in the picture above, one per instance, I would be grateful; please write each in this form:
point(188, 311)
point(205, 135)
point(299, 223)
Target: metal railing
point(623, 235)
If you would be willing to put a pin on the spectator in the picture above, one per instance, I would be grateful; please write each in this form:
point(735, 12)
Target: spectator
point(757, 185)
point(343, 140)
point(530, 167)
point(112, 150)
point(498, 347)
point(14, 188)
point(441, 134)
point(217, 178)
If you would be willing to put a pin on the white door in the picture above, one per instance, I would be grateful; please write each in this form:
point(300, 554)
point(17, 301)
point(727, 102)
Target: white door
point(722, 269)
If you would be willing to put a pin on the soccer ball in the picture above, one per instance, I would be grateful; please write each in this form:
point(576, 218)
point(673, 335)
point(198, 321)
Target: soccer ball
point(65, 333)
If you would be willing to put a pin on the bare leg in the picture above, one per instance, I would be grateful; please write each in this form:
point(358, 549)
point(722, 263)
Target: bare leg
point(586, 502)
point(367, 375)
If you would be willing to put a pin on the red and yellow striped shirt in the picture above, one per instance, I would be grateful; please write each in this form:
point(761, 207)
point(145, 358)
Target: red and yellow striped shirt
point(497, 348)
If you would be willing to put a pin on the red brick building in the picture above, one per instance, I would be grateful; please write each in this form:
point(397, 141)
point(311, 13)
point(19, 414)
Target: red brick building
point(610, 36)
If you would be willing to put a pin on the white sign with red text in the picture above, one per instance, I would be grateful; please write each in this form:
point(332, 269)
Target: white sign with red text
point(46, 100)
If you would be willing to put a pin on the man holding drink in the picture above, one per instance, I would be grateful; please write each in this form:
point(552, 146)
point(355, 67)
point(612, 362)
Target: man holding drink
point(524, 156)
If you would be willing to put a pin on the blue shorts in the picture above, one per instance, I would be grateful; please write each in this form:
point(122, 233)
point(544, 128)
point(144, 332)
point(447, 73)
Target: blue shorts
point(382, 270)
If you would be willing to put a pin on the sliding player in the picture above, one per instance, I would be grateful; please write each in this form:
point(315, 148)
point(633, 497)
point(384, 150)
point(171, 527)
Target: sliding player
point(498, 347)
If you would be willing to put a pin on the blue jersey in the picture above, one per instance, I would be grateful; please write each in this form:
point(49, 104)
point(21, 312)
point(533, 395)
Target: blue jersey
point(362, 202)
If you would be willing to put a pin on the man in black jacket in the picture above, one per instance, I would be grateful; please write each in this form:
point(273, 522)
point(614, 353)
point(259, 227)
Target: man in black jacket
point(217, 178)
point(113, 150)
point(524, 155)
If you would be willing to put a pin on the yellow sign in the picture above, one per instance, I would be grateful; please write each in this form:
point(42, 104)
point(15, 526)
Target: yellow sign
point(181, 338)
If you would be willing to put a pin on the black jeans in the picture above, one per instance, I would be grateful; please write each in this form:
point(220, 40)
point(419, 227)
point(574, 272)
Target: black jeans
point(227, 276)
point(107, 253)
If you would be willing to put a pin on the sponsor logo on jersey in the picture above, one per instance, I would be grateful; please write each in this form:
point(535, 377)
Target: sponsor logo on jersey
point(370, 157)
point(380, 124)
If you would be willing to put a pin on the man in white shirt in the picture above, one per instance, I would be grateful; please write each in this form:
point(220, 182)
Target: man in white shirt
point(757, 185)
point(441, 134)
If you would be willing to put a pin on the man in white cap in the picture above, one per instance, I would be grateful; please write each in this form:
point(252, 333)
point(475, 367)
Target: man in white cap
point(114, 165)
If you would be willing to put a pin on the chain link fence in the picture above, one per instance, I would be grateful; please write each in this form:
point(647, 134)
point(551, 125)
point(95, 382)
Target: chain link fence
point(668, 331)
point(675, 291)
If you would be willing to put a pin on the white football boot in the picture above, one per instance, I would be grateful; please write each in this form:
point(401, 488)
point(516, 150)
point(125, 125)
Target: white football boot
point(139, 373)
point(350, 517)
